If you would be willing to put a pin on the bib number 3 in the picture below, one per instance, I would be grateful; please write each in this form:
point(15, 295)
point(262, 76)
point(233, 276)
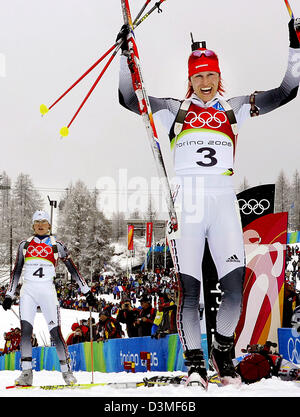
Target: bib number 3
point(209, 157)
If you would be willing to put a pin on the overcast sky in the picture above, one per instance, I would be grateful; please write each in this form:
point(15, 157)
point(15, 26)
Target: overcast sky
point(48, 44)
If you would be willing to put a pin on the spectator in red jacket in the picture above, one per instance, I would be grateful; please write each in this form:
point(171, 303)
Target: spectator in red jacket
point(77, 336)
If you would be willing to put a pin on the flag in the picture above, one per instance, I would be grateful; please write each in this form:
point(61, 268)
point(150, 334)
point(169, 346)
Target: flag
point(130, 236)
point(149, 231)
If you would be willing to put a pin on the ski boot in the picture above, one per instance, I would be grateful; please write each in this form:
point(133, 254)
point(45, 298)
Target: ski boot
point(25, 379)
point(197, 374)
point(221, 360)
point(69, 378)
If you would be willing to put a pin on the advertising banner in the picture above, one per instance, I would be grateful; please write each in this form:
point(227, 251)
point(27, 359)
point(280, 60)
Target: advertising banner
point(253, 203)
point(265, 246)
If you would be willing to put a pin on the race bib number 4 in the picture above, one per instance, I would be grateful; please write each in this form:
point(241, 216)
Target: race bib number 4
point(39, 270)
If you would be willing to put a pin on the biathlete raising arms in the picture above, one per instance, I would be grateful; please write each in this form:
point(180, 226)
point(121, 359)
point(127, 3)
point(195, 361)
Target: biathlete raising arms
point(203, 135)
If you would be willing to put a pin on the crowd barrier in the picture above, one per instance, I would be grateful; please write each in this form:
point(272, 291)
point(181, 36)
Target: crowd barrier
point(109, 356)
point(289, 345)
point(165, 354)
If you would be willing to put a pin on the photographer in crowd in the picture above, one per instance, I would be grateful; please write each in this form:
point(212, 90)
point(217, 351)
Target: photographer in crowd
point(128, 315)
point(146, 317)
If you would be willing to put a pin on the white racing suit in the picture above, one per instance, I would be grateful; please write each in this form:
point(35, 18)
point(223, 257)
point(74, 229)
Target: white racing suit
point(38, 258)
point(204, 151)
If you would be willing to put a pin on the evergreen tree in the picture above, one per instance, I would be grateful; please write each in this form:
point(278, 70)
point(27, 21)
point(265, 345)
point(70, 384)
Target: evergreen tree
point(282, 190)
point(25, 201)
point(5, 222)
point(118, 225)
point(295, 202)
point(84, 229)
point(244, 185)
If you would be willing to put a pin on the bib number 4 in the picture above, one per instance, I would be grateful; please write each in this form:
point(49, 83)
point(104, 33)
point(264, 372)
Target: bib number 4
point(39, 273)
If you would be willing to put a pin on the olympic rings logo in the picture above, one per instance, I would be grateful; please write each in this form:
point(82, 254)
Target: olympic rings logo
point(214, 121)
point(253, 206)
point(42, 251)
point(294, 350)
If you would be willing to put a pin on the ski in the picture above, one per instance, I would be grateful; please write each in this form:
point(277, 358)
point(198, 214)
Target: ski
point(155, 381)
point(146, 113)
point(117, 385)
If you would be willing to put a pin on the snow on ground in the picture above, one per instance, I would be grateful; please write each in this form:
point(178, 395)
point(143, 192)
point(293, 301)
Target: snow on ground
point(266, 388)
point(273, 387)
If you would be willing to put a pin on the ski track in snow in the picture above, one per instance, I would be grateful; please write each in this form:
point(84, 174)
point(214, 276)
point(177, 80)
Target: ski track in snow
point(273, 387)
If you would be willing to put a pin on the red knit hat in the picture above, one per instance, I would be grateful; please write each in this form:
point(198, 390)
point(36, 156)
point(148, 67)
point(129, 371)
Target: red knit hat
point(203, 60)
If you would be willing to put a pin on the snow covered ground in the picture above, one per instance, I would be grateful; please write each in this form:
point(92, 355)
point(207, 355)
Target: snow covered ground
point(265, 388)
point(271, 388)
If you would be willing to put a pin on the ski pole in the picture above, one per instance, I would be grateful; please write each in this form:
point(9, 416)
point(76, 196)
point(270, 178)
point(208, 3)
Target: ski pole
point(64, 131)
point(289, 9)
point(156, 6)
point(92, 348)
point(141, 11)
point(44, 109)
point(147, 116)
point(15, 313)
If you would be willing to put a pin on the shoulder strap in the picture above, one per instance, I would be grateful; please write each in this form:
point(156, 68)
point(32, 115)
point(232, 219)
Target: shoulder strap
point(27, 243)
point(54, 247)
point(181, 116)
point(178, 123)
point(230, 114)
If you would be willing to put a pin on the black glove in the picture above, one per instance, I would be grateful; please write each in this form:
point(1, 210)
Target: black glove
point(294, 41)
point(91, 300)
point(7, 303)
point(125, 30)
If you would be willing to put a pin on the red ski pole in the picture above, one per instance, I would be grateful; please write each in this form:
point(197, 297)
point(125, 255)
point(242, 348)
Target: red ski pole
point(64, 131)
point(44, 109)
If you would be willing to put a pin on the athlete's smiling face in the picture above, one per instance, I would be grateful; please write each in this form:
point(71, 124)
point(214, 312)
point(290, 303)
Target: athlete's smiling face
point(41, 227)
point(205, 84)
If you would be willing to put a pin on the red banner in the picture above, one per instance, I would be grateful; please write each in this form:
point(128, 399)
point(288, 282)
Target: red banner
point(149, 230)
point(130, 236)
point(265, 245)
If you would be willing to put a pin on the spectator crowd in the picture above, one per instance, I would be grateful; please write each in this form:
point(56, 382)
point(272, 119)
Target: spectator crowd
point(143, 305)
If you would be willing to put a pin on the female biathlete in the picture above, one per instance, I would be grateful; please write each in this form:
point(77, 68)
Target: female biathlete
point(38, 256)
point(203, 134)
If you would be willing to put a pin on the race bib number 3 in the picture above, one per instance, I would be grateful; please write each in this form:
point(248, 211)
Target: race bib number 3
point(205, 149)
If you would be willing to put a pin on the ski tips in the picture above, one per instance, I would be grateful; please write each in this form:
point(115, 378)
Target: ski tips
point(43, 109)
point(64, 131)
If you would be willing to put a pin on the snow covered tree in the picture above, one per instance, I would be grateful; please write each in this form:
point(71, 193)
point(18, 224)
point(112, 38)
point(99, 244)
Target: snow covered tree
point(282, 189)
point(5, 222)
point(84, 229)
point(295, 202)
point(118, 225)
point(25, 201)
point(244, 185)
